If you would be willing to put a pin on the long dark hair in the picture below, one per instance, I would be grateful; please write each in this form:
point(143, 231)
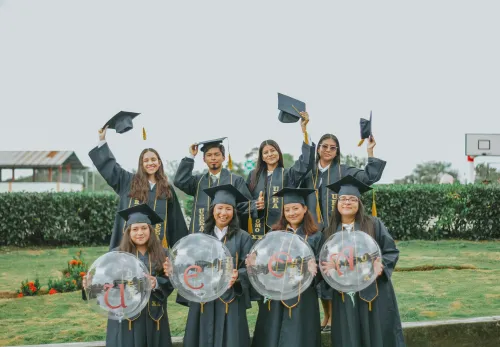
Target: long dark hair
point(308, 224)
point(365, 222)
point(154, 248)
point(233, 226)
point(261, 164)
point(140, 184)
point(336, 159)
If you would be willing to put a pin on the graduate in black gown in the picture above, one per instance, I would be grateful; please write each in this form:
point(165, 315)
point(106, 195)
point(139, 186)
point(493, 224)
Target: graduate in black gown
point(223, 322)
point(214, 155)
point(149, 185)
point(293, 322)
point(150, 328)
point(270, 176)
point(371, 317)
point(328, 169)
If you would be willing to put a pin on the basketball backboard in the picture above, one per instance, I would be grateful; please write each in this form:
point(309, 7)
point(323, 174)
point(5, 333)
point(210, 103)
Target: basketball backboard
point(482, 145)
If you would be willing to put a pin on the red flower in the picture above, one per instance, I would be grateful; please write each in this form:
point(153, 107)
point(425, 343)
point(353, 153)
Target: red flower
point(53, 291)
point(74, 282)
point(31, 283)
point(82, 274)
point(67, 274)
point(73, 262)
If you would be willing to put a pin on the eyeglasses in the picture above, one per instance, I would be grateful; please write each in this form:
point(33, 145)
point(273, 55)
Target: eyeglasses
point(326, 147)
point(346, 200)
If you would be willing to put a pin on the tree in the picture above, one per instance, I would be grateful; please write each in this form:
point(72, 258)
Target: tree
point(352, 160)
point(428, 173)
point(486, 173)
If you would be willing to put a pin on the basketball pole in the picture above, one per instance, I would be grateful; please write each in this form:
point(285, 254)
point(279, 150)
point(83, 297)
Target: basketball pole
point(472, 169)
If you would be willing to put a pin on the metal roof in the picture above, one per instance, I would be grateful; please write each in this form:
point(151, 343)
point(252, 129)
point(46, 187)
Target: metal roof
point(39, 159)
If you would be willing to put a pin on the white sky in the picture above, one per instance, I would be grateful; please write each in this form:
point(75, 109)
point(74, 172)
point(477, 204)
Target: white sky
point(199, 70)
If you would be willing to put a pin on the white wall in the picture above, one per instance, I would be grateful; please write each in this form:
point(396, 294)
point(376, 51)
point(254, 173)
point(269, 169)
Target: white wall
point(39, 187)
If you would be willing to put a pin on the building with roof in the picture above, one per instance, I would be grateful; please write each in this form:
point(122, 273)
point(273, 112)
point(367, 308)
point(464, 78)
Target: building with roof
point(53, 171)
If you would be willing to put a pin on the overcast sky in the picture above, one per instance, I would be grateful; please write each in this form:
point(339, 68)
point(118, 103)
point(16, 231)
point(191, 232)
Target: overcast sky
point(199, 70)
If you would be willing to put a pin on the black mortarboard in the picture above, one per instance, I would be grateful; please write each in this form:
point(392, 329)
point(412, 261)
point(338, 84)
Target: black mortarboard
point(365, 126)
point(294, 195)
point(210, 142)
point(140, 214)
point(348, 185)
point(225, 194)
point(290, 109)
point(121, 122)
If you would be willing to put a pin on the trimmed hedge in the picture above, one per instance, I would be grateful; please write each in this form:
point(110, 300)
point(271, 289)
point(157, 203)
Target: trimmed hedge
point(56, 218)
point(430, 212)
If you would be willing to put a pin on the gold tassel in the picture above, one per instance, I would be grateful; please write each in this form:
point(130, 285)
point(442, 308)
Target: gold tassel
point(361, 142)
point(374, 206)
point(227, 306)
point(158, 325)
point(318, 210)
point(250, 221)
point(290, 312)
point(230, 163)
point(370, 306)
point(129, 325)
point(143, 133)
point(269, 305)
point(343, 297)
point(164, 242)
point(201, 304)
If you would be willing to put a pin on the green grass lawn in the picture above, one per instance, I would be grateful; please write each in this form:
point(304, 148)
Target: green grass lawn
point(422, 295)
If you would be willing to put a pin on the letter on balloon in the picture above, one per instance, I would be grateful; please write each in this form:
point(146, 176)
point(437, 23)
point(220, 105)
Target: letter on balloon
point(122, 296)
point(187, 276)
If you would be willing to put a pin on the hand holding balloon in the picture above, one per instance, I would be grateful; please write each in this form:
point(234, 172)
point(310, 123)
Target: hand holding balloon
point(234, 277)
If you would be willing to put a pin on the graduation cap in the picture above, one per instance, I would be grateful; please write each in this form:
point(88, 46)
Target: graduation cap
point(365, 126)
point(140, 214)
point(229, 194)
point(294, 195)
point(289, 108)
point(206, 144)
point(348, 185)
point(225, 194)
point(122, 122)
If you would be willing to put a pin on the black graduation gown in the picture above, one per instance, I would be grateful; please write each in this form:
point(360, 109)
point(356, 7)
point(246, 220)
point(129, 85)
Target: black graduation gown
point(213, 327)
point(194, 184)
point(371, 174)
point(280, 178)
point(151, 327)
point(174, 226)
point(358, 326)
point(275, 327)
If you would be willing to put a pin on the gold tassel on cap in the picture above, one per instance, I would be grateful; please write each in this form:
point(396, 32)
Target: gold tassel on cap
point(144, 137)
point(230, 163)
point(374, 206)
point(361, 142)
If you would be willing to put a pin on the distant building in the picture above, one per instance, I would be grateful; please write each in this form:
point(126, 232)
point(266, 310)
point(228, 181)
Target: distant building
point(446, 179)
point(52, 171)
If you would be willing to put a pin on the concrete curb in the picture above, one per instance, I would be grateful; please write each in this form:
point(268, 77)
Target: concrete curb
point(479, 331)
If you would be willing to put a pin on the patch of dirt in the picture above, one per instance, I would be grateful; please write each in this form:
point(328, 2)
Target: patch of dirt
point(437, 267)
point(35, 252)
point(428, 313)
point(456, 304)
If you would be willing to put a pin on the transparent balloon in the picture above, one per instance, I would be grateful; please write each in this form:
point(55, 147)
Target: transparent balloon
point(347, 260)
point(202, 267)
point(117, 285)
point(278, 265)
